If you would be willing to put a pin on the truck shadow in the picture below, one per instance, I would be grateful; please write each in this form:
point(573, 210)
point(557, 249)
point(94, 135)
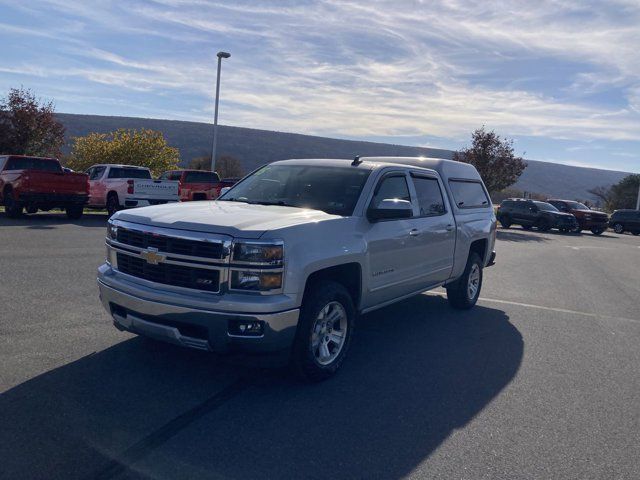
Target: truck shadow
point(416, 372)
point(49, 221)
point(520, 236)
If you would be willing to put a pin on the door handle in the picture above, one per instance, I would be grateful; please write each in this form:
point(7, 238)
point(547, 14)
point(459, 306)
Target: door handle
point(414, 232)
point(449, 228)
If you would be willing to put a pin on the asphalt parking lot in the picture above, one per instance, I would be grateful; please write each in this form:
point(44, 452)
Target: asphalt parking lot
point(540, 380)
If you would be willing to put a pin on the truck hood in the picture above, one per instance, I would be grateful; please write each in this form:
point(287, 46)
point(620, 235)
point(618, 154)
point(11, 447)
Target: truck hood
point(223, 217)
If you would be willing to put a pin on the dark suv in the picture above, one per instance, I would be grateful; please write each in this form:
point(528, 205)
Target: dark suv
point(625, 221)
point(531, 213)
point(587, 219)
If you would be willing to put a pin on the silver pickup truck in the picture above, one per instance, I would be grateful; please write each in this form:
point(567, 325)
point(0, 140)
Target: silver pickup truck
point(290, 256)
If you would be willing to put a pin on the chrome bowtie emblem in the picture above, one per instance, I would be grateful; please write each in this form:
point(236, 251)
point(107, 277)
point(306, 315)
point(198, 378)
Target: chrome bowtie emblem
point(152, 256)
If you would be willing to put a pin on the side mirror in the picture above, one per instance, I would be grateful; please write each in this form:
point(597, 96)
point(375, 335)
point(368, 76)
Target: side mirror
point(390, 208)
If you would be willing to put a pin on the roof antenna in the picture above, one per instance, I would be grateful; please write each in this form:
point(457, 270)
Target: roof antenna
point(356, 161)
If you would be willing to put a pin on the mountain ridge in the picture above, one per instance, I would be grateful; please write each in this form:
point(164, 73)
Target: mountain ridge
point(255, 147)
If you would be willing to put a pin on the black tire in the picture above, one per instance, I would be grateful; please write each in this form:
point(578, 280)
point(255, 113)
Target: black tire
point(544, 225)
point(303, 357)
point(618, 228)
point(458, 292)
point(526, 227)
point(75, 212)
point(597, 231)
point(636, 233)
point(12, 208)
point(505, 221)
point(113, 205)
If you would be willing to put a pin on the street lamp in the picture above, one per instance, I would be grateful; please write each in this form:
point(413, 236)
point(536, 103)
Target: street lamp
point(221, 55)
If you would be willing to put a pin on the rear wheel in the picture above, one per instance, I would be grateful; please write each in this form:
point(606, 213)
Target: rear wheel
point(75, 212)
point(464, 292)
point(618, 228)
point(324, 331)
point(12, 207)
point(505, 221)
point(112, 204)
point(597, 230)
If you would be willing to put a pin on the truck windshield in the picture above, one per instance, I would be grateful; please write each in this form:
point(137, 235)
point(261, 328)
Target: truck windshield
point(334, 190)
point(577, 206)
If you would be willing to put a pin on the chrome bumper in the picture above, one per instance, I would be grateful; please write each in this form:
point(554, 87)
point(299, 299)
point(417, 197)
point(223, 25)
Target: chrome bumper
point(194, 327)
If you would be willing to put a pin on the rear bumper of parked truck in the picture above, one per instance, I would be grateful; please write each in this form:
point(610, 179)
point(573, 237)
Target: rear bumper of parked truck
point(170, 318)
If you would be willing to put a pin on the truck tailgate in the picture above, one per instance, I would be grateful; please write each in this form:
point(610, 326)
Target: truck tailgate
point(57, 183)
point(156, 189)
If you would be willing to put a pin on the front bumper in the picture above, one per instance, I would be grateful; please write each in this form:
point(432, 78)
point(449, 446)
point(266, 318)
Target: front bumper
point(196, 327)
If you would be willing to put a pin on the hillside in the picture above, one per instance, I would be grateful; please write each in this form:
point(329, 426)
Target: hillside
point(257, 147)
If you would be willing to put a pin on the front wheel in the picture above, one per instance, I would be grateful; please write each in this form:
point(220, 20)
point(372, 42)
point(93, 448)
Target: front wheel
point(327, 318)
point(544, 225)
point(12, 208)
point(597, 231)
point(618, 228)
point(464, 292)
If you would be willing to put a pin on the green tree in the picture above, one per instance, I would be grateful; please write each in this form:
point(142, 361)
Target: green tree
point(623, 194)
point(29, 127)
point(494, 159)
point(145, 148)
point(227, 166)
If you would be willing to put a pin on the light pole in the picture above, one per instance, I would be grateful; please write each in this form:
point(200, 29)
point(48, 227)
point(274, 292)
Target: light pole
point(221, 55)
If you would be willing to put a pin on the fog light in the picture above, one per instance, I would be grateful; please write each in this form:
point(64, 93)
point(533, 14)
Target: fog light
point(246, 328)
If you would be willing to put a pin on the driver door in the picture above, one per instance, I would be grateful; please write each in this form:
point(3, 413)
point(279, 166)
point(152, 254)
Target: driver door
point(390, 245)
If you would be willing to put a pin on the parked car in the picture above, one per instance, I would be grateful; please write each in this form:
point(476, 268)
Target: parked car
point(532, 213)
point(287, 259)
point(115, 187)
point(625, 221)
point(37, 183)
point(225, 183)
point(587, 219)
point(194, 184)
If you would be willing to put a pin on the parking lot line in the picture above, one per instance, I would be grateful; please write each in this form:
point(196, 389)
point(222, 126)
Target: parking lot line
point(550, 309)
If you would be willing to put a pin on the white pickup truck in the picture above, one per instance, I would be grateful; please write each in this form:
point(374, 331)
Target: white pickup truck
point(289, 257)
point(116, 187)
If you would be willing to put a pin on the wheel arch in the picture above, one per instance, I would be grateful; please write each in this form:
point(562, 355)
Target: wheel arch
point(348, 275)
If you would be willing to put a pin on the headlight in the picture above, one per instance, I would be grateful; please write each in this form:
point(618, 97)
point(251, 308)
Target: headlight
point(256, 253)
point(255, 281)
point(112, 231)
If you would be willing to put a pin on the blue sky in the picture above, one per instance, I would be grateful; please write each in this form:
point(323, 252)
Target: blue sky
point(561, 78)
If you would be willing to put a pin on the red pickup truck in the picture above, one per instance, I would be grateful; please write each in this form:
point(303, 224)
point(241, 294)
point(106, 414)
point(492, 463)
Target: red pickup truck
point(36, 183)
point(194, 184)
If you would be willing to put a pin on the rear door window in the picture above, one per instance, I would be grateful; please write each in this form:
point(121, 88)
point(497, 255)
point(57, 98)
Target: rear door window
point(429, 195)
point(123, 172)
point(469, 194)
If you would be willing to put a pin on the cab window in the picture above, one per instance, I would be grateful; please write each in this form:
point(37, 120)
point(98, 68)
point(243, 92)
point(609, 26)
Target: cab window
point(392, 187)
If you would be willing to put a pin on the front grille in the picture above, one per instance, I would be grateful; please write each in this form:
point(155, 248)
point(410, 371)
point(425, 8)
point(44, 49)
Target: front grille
point(179, 246)
point(168, 274)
